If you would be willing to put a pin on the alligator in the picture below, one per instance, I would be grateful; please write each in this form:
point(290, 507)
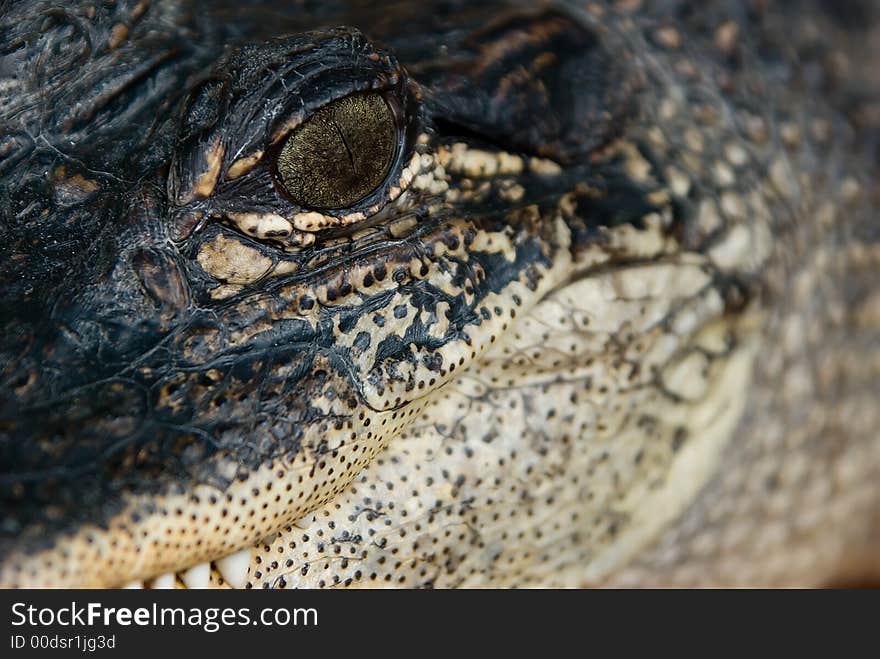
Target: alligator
point(439, 293)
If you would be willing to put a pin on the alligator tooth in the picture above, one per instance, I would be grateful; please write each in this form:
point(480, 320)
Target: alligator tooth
point(234, 567)
point(198, 576)
point(163, 582)
point(134, 585)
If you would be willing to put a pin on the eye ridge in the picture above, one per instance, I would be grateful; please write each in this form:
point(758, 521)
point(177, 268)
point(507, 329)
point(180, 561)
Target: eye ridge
point(341, 154)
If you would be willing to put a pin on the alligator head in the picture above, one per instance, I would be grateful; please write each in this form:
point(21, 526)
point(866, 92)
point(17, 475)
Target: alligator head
point(455, 296)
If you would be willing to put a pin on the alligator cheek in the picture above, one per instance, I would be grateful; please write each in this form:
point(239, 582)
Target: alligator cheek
point(248, 422)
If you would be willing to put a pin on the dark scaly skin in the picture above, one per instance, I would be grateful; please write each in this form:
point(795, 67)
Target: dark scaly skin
point(621, 327)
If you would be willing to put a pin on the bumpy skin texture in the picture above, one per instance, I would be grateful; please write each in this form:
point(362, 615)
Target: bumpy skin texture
point(612, 318)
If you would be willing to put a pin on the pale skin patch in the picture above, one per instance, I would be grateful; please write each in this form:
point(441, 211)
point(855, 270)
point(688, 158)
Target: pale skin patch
point(286, 128)
point(736, 154)
point(403, 227)
point(225, 291)
point(312, 221)
point(544, 167)
point(723, 174)
point(679, 183)
point(494, 243)
point(726, 36)
point(686, 377)
point(476, 163)
point(512, 193)
point(73, 188)
point(243, 165)
point(637, 167)
point(262, 225)
point(315, 221)
point(650, 242)
point(208, 179)
point(733, 249)
point(434, 181)
point(415, 165)
point(232, 261)
point(118, 34)
point(668, 37)
point(78, 181)
point(285, 268)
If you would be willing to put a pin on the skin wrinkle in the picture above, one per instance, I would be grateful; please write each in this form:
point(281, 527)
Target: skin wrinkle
point(604, 316)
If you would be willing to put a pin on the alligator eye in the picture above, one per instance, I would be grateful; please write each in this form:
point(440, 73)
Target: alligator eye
point(341, 154)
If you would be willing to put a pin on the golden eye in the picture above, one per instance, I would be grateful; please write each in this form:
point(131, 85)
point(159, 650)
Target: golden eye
point(340, 154)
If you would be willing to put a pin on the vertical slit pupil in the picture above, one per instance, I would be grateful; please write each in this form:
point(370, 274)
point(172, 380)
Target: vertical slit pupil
point(341, 154)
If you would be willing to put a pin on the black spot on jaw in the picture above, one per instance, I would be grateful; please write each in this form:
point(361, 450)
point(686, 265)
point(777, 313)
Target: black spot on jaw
point(392, 347)
point(362, 341)
point(433, 362)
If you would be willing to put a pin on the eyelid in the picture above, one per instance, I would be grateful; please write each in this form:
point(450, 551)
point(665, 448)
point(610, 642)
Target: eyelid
point(390, 88)
point(402, 105)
